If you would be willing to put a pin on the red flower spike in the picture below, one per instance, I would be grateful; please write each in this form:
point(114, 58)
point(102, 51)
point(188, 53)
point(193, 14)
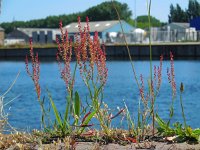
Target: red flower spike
point(35, 75)
point(26, 63)
point(142, 87)
point(63, 56)
point(169, 75)
point(60, 24)
point(173, 83)
point(152, 88)
point(90, 50)
point(155, 74)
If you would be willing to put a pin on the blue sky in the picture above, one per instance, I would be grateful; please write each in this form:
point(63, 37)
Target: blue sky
point(23, 10)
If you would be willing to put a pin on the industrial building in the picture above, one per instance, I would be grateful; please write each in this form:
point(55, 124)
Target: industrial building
point(109, 31)
point(106, 29)
point(2, 36)
point(39, 35)
point(178, 26)
point(178, 31)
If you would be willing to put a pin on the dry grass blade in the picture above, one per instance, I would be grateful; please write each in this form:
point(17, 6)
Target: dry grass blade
point(3, 116)
point(13, 83)
point(126, 43)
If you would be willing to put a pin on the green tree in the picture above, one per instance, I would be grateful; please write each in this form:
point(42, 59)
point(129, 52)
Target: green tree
point(193, 9)
point(143, 22)
point(103, 11)
point(171, 15)
point(106, 11)
point(177, 14)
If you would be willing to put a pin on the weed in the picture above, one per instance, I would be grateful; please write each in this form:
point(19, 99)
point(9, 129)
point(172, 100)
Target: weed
point(3, 116)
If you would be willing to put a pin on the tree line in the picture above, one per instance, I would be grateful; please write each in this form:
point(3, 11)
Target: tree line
point(105, 11)
point(177, 14)
point(101, 12)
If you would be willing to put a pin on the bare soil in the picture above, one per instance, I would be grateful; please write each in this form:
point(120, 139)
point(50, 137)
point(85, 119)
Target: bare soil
point(134, 146)
point(27, 142)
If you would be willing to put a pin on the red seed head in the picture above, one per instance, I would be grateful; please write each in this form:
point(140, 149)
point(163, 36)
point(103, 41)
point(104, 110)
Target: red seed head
point(63, 57)
point(35, 74)
point(60, 24)
point(88, 49)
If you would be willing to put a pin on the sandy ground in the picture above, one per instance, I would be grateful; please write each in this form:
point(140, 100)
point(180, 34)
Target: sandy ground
point(20, 142)
point(141, 146)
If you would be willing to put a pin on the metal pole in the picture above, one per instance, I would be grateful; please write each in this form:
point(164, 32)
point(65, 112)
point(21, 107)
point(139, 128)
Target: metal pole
point(0, 6)
point(135, 16)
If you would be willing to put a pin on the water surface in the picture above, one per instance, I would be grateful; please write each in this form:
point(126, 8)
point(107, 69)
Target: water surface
point(24, 112)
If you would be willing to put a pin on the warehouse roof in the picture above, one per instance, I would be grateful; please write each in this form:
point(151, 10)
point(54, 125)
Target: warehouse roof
point(181, 24)
point(29, 31)
point(94, 26)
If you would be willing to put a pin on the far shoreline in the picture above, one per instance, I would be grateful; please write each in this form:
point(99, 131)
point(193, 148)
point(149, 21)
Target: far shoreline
point(139, 51)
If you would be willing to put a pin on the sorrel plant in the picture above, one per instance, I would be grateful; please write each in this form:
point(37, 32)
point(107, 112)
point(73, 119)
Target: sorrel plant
point(171, 79)
point(63, 57)
point(151, 94)
point(34, 74)
point(148, 100)
point(91, 61)
point(73, 106)
point(91, 58)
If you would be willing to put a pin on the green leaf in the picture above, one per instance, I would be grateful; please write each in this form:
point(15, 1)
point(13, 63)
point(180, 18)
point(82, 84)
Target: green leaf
point(163, 127)
point(67, 108)
point(196, 131)
point(58, 119)
point(171, 112)
point(67, 112)
point(87, 120)
point(196, 134)
point(160, 122)
point(178, 129)
point(77, 104)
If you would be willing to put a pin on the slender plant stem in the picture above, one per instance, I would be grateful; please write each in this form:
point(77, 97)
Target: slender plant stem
point(150, 44)
point(150, 57)
point(13, 83)
point(73, 77)
point(182, 109)
point(126, 43)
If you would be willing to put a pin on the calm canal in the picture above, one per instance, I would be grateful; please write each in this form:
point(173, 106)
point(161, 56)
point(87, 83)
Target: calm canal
point(24, 112)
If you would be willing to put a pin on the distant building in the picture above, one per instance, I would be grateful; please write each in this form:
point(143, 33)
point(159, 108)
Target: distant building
point(177, 31)
point(39, 35)
point(13, 41)
point(178, 26)
point(2, 36)
point(195, 23)
point(102, 27)
point(138, 35)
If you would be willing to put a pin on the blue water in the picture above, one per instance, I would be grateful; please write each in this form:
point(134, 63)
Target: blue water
point(24, 112)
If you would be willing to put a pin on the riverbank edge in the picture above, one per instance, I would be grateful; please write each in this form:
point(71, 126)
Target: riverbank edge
point(181, 51)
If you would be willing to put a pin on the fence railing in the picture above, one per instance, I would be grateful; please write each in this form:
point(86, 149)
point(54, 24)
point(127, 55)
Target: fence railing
point(156, 37)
